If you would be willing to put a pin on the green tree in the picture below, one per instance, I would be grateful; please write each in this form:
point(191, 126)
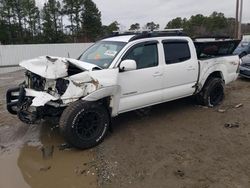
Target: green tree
point(52, 22)
point(91, 21)
point(108, 30)
point(114, 26)
point(196, 25)
point(200, 25)
point(19, 14)
point(32, 17)
point(3, 32)
point(135, 27)
point(175, 23)
point(216, 23)
point(6, 17)
point(73, 9)
point(152, 26)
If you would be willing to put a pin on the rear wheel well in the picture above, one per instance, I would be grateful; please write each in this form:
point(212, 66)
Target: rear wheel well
point(216, 74)
point(212, 93)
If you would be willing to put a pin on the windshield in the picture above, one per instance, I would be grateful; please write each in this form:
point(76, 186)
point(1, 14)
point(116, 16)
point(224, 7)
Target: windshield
point(102, 53)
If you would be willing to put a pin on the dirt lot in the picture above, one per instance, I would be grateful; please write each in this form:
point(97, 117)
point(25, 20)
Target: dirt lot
point(175, 145)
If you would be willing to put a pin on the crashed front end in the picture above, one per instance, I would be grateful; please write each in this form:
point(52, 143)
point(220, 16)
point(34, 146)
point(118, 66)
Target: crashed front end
point(51, 84)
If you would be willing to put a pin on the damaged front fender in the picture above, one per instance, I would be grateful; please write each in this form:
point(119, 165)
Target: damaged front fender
point(79, 86)
point(113, 92)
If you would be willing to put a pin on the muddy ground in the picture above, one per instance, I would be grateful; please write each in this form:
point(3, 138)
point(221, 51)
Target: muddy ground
point(175, 145)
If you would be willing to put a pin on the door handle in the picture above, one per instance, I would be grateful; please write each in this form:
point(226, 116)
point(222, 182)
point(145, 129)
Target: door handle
point(156, 74)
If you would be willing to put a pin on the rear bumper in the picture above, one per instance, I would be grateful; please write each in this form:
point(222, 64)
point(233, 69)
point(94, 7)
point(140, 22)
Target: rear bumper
point(14, 99)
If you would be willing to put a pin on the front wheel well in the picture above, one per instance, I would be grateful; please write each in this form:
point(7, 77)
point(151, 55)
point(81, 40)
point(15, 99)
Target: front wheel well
point(106, 102)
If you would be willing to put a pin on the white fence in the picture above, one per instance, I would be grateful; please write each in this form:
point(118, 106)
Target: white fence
point(11, 55)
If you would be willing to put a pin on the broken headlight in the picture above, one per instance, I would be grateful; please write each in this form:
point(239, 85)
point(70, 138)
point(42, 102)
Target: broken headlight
point(35, 81)
point(61, 86)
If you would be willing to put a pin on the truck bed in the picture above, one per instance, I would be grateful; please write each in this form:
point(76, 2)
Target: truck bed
point(216, 48)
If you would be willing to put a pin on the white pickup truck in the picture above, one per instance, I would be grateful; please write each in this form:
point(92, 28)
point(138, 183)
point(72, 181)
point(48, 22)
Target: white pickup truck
point(120, 74)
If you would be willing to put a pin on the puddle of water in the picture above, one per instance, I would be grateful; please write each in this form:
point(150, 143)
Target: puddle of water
point(64, 168)
point(22, 163)
point(10, 174)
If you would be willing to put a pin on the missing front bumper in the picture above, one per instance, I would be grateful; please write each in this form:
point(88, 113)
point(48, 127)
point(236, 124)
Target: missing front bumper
point(14, 99)
point(19, 104)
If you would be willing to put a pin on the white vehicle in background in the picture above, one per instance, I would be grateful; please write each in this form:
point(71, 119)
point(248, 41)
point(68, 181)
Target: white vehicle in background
point(120, 74)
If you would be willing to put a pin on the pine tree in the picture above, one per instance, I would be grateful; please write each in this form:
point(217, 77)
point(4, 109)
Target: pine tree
point(52, 29)
point(32, 17)
point(6, 15)
point(73, 9)
point(134, 27)
point(152, 26)
point(18, 12)
point(91, 21)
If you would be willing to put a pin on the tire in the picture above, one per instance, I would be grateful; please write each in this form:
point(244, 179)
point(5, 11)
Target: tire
point(84, 124)
point(212, 93)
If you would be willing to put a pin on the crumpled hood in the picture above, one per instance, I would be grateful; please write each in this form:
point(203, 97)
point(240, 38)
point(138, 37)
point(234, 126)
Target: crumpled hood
point(54, 67)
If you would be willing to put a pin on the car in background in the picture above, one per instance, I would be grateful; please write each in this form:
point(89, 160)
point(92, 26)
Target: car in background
point(245, 67)
point(243, 49)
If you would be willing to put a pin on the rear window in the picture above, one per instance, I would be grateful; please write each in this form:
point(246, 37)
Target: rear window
point(176, 52)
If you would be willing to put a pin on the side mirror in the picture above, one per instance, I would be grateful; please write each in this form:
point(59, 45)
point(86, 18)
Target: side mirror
point(128, 65)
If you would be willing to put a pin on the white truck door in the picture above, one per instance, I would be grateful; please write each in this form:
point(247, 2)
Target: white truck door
point(180, 68)
point(141, 87)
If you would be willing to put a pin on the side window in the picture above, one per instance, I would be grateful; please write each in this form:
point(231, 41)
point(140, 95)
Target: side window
point(176, 52)
point(145, 55)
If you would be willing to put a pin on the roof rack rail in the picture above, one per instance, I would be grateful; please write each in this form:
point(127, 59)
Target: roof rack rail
point(147, 30)
point(117, 33)
point(158, 33)
point(140, 34)
point(172, 30)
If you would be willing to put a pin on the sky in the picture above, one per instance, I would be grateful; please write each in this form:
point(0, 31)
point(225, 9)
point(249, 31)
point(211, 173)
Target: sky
point(127, 12)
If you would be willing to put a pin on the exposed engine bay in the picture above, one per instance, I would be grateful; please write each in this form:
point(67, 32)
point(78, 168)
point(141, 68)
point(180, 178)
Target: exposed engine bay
point(51, 84)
